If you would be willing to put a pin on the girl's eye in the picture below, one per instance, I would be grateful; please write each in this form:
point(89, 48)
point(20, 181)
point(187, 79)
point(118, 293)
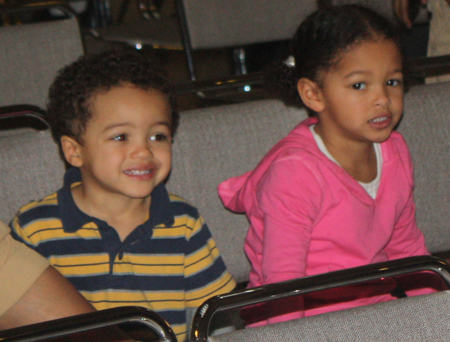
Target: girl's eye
point(394, 83)
point(159, 137)
point(359, 86)
point(121, 137)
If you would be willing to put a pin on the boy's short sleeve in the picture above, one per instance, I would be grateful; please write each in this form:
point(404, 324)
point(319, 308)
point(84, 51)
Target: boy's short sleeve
point(205, 272)
point(20, 267)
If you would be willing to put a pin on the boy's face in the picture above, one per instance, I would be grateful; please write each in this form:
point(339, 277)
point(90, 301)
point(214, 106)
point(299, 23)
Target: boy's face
point(126, 149)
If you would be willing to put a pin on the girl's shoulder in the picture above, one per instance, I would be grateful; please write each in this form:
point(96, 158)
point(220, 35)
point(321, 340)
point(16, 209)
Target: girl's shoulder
point(299, 138)
point(396, 140)
point(396, 148)
point(397, 137)
point(299, 145)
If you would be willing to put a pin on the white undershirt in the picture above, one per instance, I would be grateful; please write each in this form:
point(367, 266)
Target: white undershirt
point(371, 187)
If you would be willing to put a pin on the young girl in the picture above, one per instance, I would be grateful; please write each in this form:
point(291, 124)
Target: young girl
point(337, 192)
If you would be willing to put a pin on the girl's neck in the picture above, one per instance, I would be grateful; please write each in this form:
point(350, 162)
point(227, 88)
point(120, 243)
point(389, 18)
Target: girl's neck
point(357, 158)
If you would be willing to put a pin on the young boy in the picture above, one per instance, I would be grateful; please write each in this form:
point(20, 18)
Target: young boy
point(112, 229)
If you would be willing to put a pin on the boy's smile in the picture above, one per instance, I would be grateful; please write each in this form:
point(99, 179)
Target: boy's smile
point(126, 149)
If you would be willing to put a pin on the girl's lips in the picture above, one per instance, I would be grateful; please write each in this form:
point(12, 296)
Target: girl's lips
point(381, 122)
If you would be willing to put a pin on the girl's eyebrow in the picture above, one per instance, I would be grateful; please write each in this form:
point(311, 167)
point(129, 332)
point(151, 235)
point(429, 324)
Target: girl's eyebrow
point(164, 123)
point(361, 72)
point(124, 124)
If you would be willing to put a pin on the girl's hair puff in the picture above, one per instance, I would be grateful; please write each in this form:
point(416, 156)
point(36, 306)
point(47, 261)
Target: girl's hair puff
point(319, 43)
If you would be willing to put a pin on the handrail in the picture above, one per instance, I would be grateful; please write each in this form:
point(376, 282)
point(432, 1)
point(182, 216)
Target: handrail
point(238, 299)
point(219, 83)
point(33, 6)
point(430, 66)
point(186, 39)
point(419, 67)
point(89, 321)
point(19, 111)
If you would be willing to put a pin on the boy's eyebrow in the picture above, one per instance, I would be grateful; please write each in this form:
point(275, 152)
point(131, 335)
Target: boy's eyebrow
point(358, 72)
point(115, 125)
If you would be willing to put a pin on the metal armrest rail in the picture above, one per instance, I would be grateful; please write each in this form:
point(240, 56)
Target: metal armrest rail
point(20, 111)
point(219, 84)
point(310, 284)
point(430, 66)
point(90, 321)
point(33, 6)
point(420, 67)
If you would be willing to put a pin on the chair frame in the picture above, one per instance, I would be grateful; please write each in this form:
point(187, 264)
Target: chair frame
point(35, 6)
point(239, 55)
point(9, 115)
point(186, 40)
point(239, 299)
point(80, 323)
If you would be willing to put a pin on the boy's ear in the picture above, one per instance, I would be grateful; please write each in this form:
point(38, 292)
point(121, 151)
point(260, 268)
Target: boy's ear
point(72, 151)
point(311, 94)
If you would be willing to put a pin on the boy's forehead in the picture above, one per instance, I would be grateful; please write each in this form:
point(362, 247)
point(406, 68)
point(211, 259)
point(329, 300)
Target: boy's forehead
point(129, 102)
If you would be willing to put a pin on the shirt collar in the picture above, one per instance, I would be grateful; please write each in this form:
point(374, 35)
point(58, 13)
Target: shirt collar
point(73, 218)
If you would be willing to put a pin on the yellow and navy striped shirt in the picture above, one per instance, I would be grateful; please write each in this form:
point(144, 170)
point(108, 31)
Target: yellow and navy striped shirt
point(168, 264)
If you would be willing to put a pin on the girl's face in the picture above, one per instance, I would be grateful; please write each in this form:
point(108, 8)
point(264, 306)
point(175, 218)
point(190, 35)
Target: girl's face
point(362, 96)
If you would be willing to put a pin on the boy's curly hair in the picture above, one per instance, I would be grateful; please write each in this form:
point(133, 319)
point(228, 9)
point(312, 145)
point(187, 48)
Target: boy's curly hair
point(68, 106)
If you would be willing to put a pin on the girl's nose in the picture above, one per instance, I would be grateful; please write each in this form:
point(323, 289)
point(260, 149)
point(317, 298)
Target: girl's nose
point(382, 97)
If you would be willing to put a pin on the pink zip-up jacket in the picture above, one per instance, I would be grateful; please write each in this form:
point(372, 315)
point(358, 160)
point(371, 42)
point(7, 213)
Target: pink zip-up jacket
point(309, 216)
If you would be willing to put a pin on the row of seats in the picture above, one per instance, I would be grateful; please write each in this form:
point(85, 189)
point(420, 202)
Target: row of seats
point(205, 24)
point(216, 143)
point(212, 24)
point(412, 319)
point(219, 142)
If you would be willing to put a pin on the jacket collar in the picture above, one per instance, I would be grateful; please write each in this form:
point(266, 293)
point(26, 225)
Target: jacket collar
point(73, 218)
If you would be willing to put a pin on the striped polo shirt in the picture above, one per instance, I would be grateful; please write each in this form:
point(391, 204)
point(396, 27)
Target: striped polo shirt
point(168, 264)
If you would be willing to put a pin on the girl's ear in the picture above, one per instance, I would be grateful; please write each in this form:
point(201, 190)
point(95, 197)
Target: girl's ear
point(72, 151)
point(311, 94)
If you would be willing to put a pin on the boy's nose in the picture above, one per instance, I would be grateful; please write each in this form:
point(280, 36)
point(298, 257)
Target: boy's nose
point(142, 151)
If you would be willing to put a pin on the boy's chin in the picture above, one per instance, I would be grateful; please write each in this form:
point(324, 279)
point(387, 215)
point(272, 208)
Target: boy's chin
point(139, 196)
point(136, 193)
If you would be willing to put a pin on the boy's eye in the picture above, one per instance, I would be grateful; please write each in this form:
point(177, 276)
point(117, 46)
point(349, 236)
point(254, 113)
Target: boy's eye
point(394, 83)
point(120, 137)
point(159, 137)
point(359, 86)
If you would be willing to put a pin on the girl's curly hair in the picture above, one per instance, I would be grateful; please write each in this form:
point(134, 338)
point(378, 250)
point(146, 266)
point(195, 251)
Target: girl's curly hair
point(319, 43)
